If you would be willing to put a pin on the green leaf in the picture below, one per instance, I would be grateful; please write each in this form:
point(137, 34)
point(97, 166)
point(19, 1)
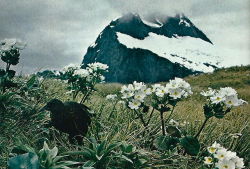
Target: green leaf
point(173, 131)
point(31, 81)
point(164, 143)
point(101, 147)
point(126, 158)
point(11, 73)
point(88, 165)
point(208, 111)
point(27, 161)
point(191, 145)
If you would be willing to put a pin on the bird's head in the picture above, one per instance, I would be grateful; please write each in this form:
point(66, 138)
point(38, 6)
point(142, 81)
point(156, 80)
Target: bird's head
point(53, 105)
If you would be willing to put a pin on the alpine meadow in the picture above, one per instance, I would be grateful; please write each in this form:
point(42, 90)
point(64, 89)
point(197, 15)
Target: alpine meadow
point(152, 92)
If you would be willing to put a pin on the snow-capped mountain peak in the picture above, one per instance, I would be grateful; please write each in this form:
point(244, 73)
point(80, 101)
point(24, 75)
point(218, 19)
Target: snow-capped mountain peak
point(153, 50)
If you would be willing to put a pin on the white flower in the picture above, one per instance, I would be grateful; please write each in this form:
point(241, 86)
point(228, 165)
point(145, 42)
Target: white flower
point(102, 78)
point(127, 95)
point(239, 163)
point(71, 66)
point(222, 154)
point(139, 85)
point(217, 99)
point(208, 93)
point(8, 44)
point(134, 104)
point(111, 97)
point(161, 91)
point(95, 66)
point(225, 164)
point(176, 93)
point(156, 86)
point(139, 96)
point(81, 73)
point(227, 91)
point(208, 160)
point(216, 145)
point(148, 91)
point(231, 100)
point(211, 149)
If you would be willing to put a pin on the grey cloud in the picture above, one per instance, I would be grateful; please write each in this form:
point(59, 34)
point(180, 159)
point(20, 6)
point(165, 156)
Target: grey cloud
point(58, 32)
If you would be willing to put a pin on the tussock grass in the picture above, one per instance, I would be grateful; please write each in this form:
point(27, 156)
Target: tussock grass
point(122, 125)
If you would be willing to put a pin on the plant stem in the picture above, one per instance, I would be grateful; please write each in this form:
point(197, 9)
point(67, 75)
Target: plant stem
point(162, 124)
point(150, 116)
point(202, 127)
point(141, 118)
point(85, 97)
point(171, 113)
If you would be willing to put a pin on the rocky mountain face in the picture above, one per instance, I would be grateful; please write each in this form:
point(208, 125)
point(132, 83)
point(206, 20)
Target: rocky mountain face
point(136, 64)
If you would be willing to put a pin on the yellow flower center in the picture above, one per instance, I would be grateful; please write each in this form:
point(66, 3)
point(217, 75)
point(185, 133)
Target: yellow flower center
point(212, 149)
point(218, 98)
point(209, 160)
point(225, 166)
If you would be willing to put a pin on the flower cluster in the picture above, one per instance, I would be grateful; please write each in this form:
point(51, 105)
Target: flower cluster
point(10, 51)
point(84, 80)
point(176, 89)
point(222, 158)
point(134, 94)
point(225, 96)
point(7, 45)
point(93, 72)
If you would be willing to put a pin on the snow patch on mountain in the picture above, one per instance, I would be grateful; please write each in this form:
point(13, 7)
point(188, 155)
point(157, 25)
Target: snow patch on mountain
point(192, 53)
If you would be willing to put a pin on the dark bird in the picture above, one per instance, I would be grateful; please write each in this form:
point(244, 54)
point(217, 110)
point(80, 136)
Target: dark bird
point(69, 117)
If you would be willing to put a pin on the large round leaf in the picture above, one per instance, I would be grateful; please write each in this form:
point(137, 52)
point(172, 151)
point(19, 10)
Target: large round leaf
point(27, 161)
point(191, 145)
point(164, 143)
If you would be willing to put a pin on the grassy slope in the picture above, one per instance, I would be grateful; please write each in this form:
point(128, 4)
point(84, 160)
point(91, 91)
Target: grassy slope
point(124, 127)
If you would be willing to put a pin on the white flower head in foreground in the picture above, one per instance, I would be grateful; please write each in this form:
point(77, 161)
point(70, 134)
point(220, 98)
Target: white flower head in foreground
point(139, 85)
point(156, 86)
point(71, 66)
point(217, 99)
point(208, 160)
point(81, 72)
point(160, 91)
point(225, 159)
point(239, 163)
point(176, 93)
point(8, 44)
point(226, 95)
point(98, 66)
point(210, 92)
point(140, 96)
point(178, 88)
point(148, 91)
point(111, 97)
point(134, 104)
point(225, 164)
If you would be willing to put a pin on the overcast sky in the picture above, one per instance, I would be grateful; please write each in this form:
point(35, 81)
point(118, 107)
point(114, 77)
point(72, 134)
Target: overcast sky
point(58, 32)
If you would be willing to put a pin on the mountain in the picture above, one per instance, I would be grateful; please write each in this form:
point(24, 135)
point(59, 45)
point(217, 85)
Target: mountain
point(151, 50)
